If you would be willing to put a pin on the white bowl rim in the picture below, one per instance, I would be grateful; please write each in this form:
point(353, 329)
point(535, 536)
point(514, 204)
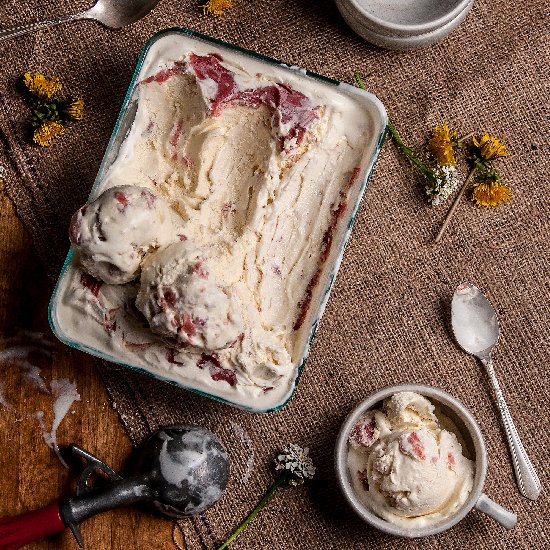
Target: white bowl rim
point(422, 28)
point(403, 43)
point(340, 453)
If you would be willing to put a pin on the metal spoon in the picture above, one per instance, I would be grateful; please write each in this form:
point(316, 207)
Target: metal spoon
point(475, 326)
point(180, 471)
point(111, 13)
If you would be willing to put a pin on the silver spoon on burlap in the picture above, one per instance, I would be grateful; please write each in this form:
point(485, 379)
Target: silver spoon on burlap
point(475, 326)
point(113, 14)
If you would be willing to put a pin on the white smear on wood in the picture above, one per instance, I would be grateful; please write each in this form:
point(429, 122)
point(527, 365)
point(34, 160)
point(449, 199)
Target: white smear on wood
point(21, 352)
point(65, 394)
point(241, 433)
point(26, 337)
point(3, 401)
point(17, 352)
point(32, 376)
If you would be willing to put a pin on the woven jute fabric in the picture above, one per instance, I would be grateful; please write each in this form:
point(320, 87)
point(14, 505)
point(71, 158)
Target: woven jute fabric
point(387, 320)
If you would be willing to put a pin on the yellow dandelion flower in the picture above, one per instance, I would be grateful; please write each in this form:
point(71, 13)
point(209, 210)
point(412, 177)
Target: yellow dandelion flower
point(215, 7)
point(41, 86)
point(441, 145)
point(491, 193)
point(489, 147)
point(47, 132)
point(75, 108)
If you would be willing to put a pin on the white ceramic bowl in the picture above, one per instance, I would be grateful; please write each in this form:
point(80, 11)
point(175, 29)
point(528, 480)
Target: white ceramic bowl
point(403, 24)
point(473, 438)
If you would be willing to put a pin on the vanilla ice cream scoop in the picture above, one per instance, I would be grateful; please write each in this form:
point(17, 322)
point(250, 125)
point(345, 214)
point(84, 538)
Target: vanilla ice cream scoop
point(115, 231)
point(404, 466)
point(184, 303)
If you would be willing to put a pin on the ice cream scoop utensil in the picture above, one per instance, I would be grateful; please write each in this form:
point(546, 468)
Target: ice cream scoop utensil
point(181, 471)
point(475, 326)
point(111, 13)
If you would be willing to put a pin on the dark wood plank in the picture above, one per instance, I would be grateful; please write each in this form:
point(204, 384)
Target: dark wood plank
point(31, 474)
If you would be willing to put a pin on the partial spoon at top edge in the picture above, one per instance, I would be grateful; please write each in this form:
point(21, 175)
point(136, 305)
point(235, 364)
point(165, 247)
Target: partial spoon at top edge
point(111, 13)
point(475, 326)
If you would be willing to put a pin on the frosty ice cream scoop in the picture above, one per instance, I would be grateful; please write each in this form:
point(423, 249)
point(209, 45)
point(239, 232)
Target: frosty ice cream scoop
point(117, 229)
point(180, 471)
point(183, 302)
point(411, 461)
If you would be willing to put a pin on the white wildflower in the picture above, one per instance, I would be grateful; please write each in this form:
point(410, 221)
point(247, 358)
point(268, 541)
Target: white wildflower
point(443, 185)
point(297, 460)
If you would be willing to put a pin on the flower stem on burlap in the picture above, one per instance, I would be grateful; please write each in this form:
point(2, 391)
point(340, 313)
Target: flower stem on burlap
point(295, 466)
point(279, 482)
point(454, 206)
point(436, 164)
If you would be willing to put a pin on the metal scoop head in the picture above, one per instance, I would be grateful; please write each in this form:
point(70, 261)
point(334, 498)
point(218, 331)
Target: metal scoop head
point(188, 468)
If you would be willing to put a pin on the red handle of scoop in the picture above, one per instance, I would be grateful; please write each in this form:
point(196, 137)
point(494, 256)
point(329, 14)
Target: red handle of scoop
point(18, 531)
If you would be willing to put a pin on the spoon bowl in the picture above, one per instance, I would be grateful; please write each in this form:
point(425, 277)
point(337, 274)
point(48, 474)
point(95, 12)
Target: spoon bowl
point(475, 326)
point(116, 14)
point(474, 321)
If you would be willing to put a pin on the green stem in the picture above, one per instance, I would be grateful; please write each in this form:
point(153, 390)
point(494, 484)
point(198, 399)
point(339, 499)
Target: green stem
point(279, 482)
point(407, 151)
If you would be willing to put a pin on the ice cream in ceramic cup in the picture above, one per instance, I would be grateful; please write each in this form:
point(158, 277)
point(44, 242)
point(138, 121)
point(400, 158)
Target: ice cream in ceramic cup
point(447, 408)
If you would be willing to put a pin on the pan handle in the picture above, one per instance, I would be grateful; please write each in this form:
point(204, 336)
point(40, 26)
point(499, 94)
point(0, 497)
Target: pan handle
point(17, 531)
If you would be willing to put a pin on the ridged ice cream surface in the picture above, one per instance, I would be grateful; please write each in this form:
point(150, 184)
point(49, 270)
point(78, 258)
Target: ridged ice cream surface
point(404, 466)
point(259, 167)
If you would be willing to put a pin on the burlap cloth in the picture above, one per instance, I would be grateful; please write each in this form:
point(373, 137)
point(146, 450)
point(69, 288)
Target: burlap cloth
point(387, 320)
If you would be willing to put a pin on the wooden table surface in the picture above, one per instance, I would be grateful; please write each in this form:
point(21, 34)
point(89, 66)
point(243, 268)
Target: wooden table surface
point(31, 475)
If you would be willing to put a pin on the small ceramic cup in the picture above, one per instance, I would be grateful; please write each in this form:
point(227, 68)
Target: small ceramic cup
point(471, 434)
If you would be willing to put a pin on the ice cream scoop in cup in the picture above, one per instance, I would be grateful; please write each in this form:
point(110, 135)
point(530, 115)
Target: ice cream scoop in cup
point(416, 465)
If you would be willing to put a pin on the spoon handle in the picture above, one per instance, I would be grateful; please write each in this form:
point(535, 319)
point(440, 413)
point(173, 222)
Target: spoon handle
point(528, 481)
point(6, 34)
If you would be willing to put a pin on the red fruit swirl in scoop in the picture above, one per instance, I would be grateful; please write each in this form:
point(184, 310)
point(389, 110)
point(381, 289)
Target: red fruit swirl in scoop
point(217, 372)
point(363, 433)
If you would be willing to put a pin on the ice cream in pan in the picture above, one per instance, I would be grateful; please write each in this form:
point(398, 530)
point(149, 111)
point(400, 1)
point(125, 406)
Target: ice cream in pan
point(405, 466)
point(214, 231)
